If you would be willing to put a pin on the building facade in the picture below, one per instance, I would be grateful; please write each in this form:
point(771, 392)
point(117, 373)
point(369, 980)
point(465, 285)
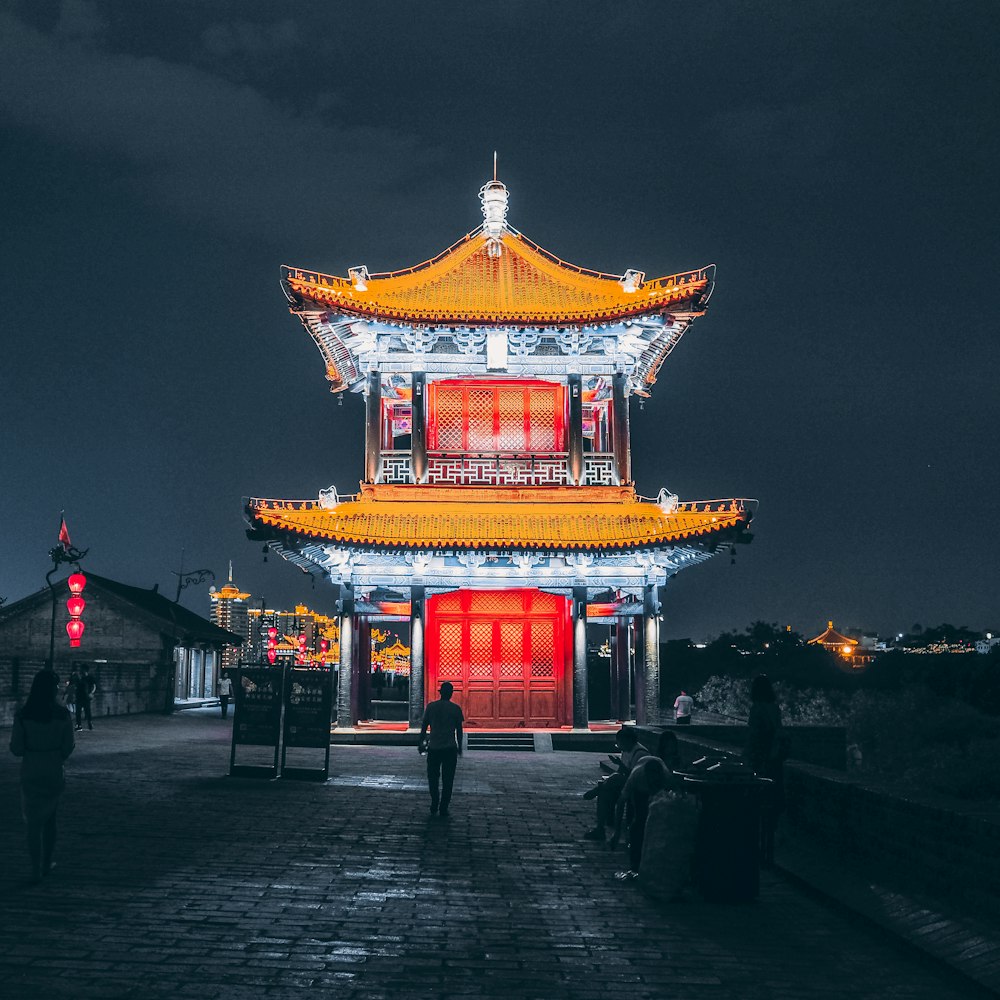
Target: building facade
point(230, 611)
point(143, 649)
point(497, 511)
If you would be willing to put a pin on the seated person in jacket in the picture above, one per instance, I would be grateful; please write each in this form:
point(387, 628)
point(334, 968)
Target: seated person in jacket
point(609, 788)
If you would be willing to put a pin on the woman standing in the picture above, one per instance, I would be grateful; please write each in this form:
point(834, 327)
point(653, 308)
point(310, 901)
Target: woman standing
point(43, 738)
point(765, 753)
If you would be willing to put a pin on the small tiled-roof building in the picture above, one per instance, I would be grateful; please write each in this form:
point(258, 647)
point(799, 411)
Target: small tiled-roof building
point(834, 641)
point(142, 648)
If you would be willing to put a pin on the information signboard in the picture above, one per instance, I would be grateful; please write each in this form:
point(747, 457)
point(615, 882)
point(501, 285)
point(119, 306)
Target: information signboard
point(308, 710)
point(257, 696)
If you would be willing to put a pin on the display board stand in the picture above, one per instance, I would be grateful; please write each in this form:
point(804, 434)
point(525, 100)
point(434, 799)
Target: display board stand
point(258, 697)
point(308, 701)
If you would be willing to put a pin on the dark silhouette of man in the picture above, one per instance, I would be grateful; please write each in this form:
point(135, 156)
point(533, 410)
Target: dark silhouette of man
point(225, 692)
point(86, 687)
point(444, 718)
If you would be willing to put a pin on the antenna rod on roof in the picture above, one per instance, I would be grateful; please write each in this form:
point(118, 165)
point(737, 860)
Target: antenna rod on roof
point(494, 164)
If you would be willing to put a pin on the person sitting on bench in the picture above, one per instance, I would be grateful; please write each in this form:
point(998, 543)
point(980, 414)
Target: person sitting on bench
point(609, 788)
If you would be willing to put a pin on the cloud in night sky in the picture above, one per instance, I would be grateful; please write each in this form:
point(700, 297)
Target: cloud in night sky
point(837, 160)
point(257, 160)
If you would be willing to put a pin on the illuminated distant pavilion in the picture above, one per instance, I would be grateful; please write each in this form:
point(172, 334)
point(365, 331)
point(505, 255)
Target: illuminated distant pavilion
point(497, 511)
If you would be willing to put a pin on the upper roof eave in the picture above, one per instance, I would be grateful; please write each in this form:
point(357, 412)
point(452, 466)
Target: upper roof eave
point(468, 285)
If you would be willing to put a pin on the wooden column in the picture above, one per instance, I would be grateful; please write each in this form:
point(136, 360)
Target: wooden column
point(621, 653)
point(373, 427)
point(580, 707)
point(417, 605)
point(620, 431)
point(418, 426)
point(362, 709)
point(574, 384)
point(649, 698)
point(346, 679)
point(613, 712)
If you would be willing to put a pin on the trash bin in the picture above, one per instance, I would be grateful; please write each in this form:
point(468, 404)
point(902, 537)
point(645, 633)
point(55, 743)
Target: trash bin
point(727, 848)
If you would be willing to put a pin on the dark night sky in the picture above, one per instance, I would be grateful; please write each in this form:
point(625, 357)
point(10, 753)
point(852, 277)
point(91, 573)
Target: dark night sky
point(838, 160)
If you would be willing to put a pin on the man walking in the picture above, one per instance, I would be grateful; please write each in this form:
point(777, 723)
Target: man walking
point(683, 704)
point(86, 686)
point(225, 692)
point(444, 718)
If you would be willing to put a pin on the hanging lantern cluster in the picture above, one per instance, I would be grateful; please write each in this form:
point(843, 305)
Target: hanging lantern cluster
point(303, 655)
point(324, 646)
point(272, 645)
point(75, 606)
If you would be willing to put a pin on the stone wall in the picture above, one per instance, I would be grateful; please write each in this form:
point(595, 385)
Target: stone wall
point(946, 846)
point(938, 844)
point(824, 746)
point(122, 688)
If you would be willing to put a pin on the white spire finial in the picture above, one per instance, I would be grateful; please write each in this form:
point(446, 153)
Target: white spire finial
point(493, 195)
point(230, 571)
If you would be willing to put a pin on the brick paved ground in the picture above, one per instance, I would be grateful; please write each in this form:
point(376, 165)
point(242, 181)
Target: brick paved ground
point(174, 880)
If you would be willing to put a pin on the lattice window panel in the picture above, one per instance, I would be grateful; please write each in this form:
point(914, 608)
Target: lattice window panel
point(480, 650)
point(396, 469)
point(542, 648)
point(480, 429)
point(542, 407)
point(511, 652)
point(598, 470)
point(450, 418)
point(495, 603)
point(510, 404)
point(447, 602)
point(547, 604)
point(450, 650)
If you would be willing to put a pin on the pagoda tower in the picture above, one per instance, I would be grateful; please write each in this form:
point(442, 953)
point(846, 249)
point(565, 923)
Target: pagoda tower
point(497, 510)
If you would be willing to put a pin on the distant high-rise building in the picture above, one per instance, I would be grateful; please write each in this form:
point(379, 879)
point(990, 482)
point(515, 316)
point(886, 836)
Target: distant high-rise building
point(229, 611)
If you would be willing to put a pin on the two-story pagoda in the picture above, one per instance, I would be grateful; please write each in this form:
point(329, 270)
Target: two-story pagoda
point(497, 510)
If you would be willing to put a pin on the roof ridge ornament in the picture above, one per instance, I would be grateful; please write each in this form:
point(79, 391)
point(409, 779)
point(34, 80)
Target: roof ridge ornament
point(631, 281)
point(494, 198)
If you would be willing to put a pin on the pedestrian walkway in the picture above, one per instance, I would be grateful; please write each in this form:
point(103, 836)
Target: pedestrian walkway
point(174, 880)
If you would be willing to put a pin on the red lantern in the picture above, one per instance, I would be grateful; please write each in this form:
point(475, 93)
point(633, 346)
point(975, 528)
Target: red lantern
point(74, 630)
point(75, 606)
point(77, 582)
point(324, 645)
point(272, 645)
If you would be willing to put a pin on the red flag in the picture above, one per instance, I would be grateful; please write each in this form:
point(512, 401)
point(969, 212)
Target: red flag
point(64, 536)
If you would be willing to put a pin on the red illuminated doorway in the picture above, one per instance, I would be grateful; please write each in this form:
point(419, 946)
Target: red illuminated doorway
point(506, 652)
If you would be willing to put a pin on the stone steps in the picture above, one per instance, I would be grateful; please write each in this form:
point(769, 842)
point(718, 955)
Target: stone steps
point(524, 742)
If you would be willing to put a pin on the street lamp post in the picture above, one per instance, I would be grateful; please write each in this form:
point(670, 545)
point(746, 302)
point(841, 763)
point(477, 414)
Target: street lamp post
point(190, 578)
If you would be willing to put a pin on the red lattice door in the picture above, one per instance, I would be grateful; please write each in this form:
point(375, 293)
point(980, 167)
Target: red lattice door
point(505, 651)
point(520, 417)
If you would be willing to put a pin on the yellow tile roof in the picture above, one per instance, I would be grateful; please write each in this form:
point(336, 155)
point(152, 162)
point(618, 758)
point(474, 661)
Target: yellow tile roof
point(427, 524)
point(524, 285)
point(831, 637)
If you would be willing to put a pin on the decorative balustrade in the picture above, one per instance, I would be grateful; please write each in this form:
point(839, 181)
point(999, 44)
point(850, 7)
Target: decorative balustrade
point(497, 469)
